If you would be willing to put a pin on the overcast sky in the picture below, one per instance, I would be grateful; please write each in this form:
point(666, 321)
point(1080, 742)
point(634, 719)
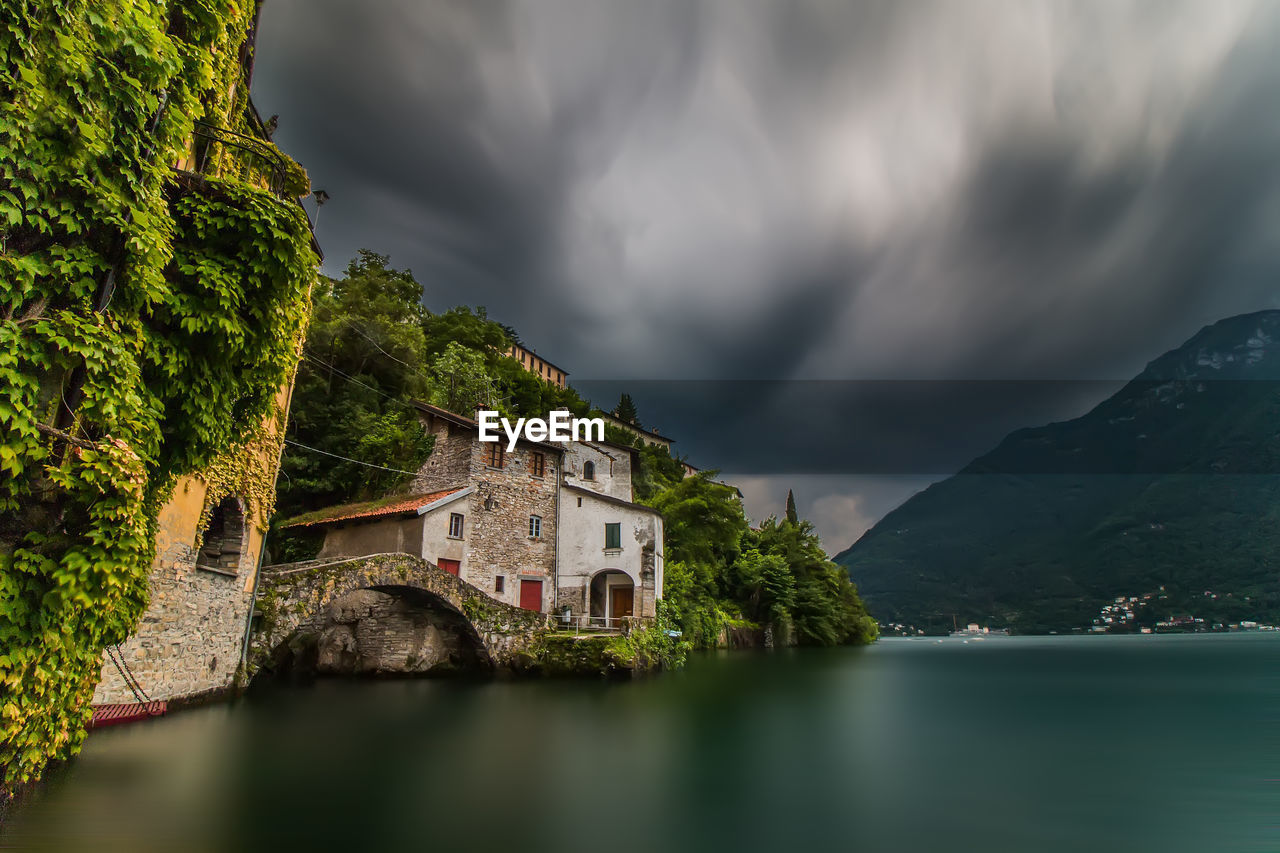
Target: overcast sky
point(827, 189)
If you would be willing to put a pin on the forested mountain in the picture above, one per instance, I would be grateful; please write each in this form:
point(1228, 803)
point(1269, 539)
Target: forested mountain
point(1172, 482)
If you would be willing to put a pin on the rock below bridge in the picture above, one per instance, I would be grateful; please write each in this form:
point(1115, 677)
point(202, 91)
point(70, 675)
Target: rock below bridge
point(385, 614)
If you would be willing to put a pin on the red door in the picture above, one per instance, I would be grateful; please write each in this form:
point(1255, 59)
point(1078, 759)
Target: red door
point(450, 566)
point(531, 594)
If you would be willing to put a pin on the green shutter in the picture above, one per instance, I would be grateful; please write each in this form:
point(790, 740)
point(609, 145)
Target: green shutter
point(613, 535)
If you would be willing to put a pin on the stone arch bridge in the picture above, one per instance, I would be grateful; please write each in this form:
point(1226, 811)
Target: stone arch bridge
point(385, 613)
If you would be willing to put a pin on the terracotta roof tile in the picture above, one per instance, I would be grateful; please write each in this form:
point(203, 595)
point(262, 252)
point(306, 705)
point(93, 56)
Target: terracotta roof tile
point(369, 509)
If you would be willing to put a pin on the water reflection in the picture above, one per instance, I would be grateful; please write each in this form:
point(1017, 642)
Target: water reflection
point(1038, 744)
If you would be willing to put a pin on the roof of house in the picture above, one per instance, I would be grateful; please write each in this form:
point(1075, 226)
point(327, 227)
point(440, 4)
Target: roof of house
point(619, 422)
point(610, 499)
point(535, 353)
point(368, 510)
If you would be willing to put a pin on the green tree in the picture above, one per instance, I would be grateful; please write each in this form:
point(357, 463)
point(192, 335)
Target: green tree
point(468, 328)
point(792, 516)
point(826, 610)
point(703, 521)
point(362, 368)
point(463, 383)
point(626, 410)
point(763, 583)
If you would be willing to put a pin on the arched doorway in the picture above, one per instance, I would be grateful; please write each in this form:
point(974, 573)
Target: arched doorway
point(612, 597)
point(224, 536)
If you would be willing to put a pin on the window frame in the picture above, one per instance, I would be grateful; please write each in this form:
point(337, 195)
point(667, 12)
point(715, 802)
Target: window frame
point(461, 525)
point(614, 528)
point(537, 464)
point(535, 526)
point(589, 471)
point(494, 455)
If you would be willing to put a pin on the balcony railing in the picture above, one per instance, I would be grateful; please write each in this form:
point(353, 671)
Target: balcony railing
point(581, 623)
point(221, 153)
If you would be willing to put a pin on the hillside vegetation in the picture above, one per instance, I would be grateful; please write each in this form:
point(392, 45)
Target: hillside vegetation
point(1172, 482)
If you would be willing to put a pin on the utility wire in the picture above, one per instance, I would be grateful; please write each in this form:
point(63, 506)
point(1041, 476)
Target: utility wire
point(309, 357)
point(349, 459)
point(362, 333)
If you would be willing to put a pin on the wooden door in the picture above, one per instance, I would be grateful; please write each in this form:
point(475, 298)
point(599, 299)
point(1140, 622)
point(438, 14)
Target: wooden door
point(531, 594)
point(450, 566)
point(623, 597)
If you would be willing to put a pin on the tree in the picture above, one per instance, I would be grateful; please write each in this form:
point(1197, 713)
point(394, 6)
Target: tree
point(468, 328)
point(792, 516)
point(764, 584)
point(462, 382)
point(362, 369)
point(626, 410)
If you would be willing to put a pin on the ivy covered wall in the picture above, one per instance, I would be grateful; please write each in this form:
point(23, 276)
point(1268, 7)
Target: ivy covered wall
point(148, 317)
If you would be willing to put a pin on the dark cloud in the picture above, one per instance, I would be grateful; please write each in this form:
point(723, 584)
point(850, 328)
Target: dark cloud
point(802, 189)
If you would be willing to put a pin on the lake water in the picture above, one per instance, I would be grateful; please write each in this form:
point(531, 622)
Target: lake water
point(1023, 744)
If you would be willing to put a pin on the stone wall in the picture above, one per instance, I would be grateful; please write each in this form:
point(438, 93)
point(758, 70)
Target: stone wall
point(497, 541)
point(612, 468)
point(372, 537)
point(191, 636)
point(449, 464)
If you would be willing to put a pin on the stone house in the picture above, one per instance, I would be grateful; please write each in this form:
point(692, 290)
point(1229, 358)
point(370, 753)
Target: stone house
point(549, 526)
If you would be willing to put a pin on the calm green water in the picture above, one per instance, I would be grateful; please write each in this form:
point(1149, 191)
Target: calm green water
point(1054, 744)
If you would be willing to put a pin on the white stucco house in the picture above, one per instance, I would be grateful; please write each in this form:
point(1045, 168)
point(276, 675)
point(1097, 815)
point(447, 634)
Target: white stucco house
point(611, 548)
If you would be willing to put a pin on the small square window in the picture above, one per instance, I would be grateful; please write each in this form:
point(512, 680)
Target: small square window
point(613, 535)
point(535, 526)
point(499, 584)
point(455, 525)
point(493, 455)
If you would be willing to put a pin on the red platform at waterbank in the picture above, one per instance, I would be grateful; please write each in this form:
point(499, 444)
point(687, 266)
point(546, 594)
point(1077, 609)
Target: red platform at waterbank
point(110, 715)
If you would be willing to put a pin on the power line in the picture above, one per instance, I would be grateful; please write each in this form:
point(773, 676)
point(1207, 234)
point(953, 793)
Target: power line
point(309, 357)
point(376, 346)
point(349, 459)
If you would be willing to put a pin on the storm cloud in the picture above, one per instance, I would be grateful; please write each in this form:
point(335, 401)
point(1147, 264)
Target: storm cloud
point(807, 190)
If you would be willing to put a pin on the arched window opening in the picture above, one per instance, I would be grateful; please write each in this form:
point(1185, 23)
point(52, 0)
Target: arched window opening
point(588, 470)
point(223, 540)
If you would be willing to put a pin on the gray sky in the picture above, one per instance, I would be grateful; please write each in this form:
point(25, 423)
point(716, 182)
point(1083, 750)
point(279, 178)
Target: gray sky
point(823, 189)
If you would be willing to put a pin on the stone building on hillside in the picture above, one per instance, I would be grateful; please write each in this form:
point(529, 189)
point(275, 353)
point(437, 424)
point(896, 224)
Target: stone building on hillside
point(549, 526)
point(536, 364)
point(648, 436)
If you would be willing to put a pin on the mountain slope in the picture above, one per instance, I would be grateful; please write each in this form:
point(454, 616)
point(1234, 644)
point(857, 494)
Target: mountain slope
point(1172, 482)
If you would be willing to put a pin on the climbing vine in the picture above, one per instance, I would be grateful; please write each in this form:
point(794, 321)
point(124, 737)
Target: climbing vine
point(149, 317)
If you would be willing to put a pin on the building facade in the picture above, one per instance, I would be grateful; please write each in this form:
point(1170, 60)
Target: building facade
point(648, 436)
point(549, 526)
point(536, 364)
point(210, 534)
